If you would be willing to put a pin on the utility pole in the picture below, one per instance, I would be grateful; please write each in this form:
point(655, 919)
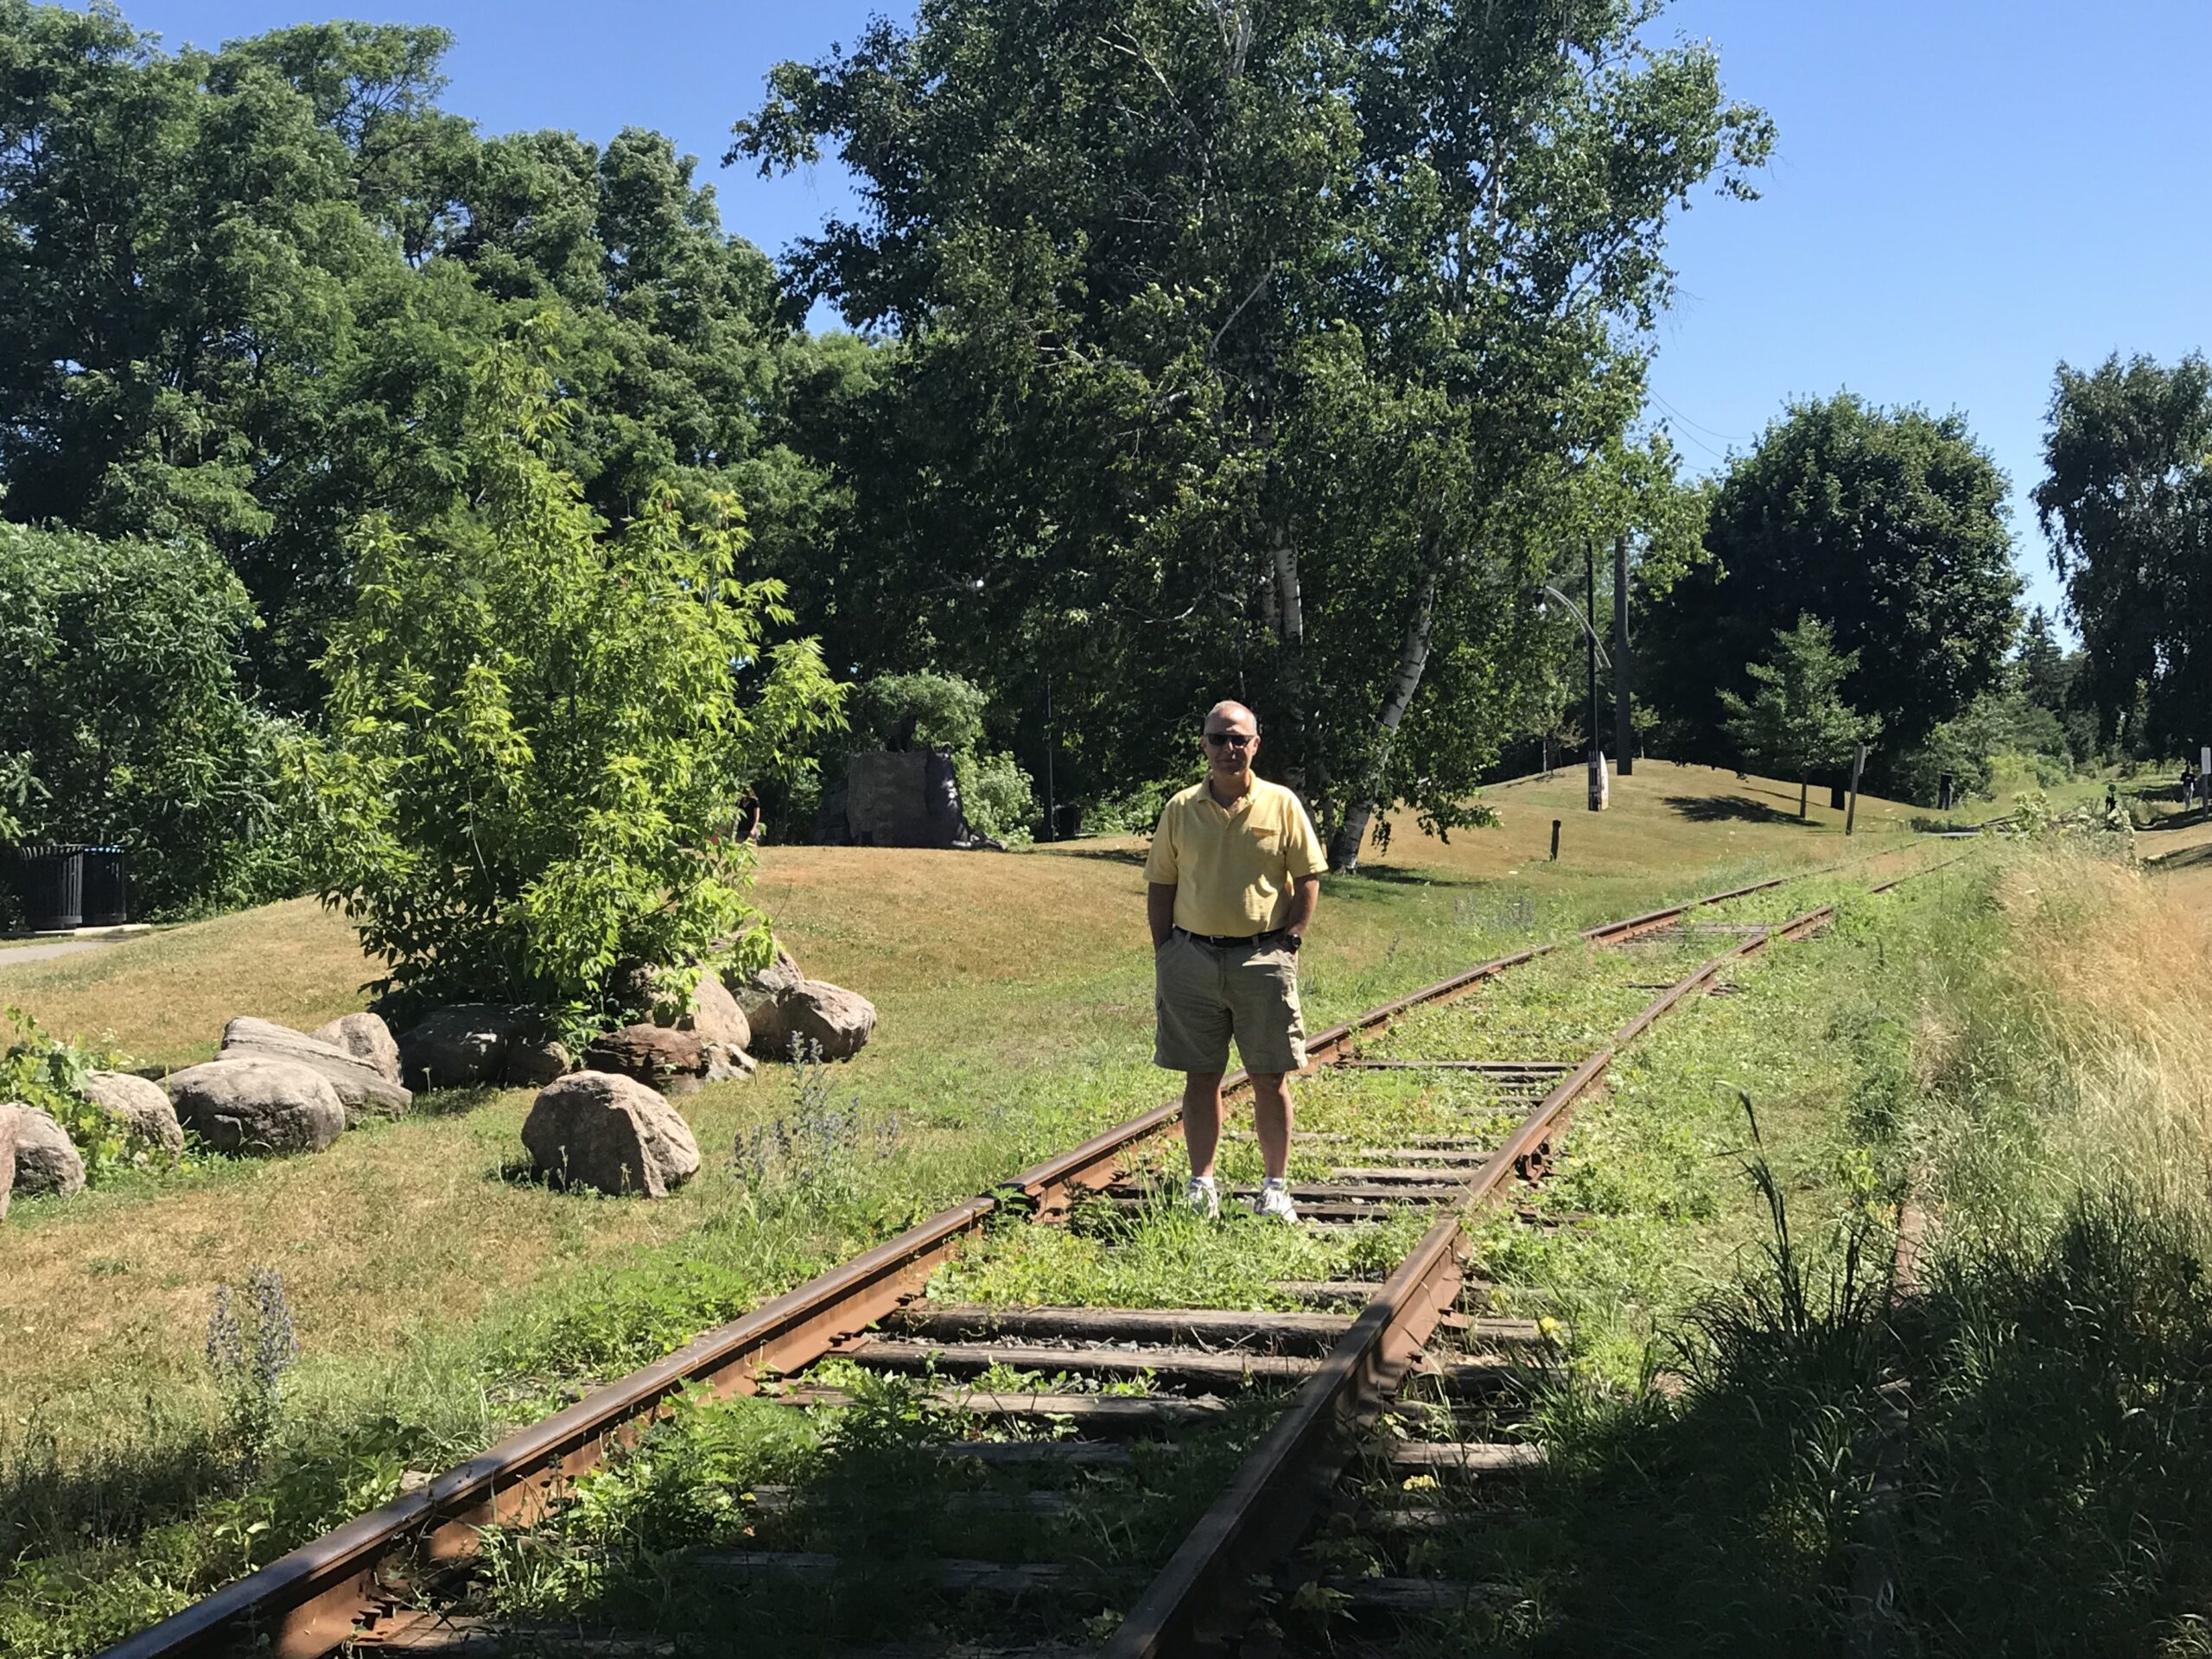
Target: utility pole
point(1623, 736)
point(1590, 631)
point(1051, 812)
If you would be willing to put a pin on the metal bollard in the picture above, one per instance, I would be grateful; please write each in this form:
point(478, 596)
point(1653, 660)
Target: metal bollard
point(1555, 841)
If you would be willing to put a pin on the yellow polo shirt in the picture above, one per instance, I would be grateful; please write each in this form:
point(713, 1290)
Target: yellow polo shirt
point(1232, 871)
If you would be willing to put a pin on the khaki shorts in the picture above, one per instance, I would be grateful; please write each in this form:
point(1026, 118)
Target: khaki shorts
point(1204, 994)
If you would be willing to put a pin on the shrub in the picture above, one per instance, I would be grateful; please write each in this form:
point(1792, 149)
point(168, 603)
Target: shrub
point(539, 729)
point(41, 1071)
point(122, 721)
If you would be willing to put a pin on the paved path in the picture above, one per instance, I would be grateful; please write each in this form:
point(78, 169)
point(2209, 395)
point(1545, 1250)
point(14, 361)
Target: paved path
point(9, 957)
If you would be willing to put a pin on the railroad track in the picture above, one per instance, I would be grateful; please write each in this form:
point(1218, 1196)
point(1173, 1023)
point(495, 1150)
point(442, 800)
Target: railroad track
point(1022, 1425)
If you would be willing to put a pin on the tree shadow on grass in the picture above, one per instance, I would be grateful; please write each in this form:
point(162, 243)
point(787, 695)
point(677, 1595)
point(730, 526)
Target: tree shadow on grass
point(455, 1102)
point(1410, 875)
point(1722, 808)
point(2187, 858)
point(1104, 854)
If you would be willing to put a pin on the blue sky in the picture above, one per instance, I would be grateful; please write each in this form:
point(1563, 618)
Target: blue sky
point(1963, 193)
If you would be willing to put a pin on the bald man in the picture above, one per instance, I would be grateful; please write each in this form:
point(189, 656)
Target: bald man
point(1234, 874)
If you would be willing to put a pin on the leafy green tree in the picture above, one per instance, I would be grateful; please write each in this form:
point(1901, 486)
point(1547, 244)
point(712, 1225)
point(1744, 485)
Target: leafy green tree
point(1797, 719)
point(122, 711)
point(1242, 349)
point(2127, 505)
point(242, 292)
point(1887, 525)
point(541, 728)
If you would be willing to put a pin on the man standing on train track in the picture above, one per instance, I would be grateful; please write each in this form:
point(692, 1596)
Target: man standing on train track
point(1235, 873)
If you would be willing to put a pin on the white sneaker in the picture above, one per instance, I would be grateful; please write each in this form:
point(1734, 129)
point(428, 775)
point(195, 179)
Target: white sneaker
point(1275, 1200)
point(1202, 1196)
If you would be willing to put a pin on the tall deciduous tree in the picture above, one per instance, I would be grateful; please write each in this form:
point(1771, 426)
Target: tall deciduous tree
point(2127, 505)
point(1797, 719)
point(1244, 349)
point(241, 292)
point(1889, 526)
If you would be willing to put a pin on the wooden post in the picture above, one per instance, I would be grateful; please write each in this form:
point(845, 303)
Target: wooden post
point(1555, 841)
point(1858, 766)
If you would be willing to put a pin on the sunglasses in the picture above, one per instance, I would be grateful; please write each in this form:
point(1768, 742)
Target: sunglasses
point(1232, 740)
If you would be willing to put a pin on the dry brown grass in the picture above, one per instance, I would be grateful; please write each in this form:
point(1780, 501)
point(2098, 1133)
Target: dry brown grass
point(2115, 965)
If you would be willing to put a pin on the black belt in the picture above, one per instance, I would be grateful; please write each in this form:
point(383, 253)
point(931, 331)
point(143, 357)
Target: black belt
point(1231, 941)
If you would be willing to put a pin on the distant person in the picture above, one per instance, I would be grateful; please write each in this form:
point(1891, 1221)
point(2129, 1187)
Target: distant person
point(748, 827)
point(1234, 876)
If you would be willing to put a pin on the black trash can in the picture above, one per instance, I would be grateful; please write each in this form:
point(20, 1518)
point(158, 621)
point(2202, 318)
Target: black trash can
point(106, 888)
point(49, 884)
point(1067, 822)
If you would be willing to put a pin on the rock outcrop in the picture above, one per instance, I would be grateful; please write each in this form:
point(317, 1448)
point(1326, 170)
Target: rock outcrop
point(362, 1089)
point(47, 1165)
point(367, 1039)
point(257, 1108)
point(602, 1130)
point(454, 1047)
point(143, 1108)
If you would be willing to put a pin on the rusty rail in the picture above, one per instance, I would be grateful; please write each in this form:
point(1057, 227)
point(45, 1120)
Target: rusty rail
point(1204, 1595)
point(310, 1601)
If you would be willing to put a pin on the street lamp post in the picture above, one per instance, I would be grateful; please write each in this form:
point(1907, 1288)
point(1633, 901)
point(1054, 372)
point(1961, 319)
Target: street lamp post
point(1597, 657)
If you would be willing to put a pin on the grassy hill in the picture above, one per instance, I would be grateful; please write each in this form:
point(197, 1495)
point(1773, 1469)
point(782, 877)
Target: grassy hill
point(1015, 999)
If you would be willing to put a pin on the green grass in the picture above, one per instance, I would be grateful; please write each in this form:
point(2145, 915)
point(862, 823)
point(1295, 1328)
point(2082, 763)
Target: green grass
point(441, 1302)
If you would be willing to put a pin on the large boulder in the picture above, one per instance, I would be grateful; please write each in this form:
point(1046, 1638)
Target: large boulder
point(715, 1016)
point(653, 1055)
point(758, 996)
point(140, 1107)
point(7, 1157)
point(362, 1089)
point(47, 1165)
point(258, 1107)
point(817, 1013)
point(367, 1039)
point(465, 1044)
point(599, 1130)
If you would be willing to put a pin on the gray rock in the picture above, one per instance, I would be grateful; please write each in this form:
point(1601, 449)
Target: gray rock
point(258, 1107)
point(758, 998)
point(140, 1107)
point(840, 1021)
point(533, 1063)
point(361, 1088)
point(598, 1130)
point(715, 1016)
point(652, 1055)
point(7, 1157)
point(367, 1039)
point(465, 1044)
point(47, 1161)
point(728, 1065)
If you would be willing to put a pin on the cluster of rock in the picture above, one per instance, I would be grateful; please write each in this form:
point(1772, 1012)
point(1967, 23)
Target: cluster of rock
point(781, 1004)
point(273, 1090)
